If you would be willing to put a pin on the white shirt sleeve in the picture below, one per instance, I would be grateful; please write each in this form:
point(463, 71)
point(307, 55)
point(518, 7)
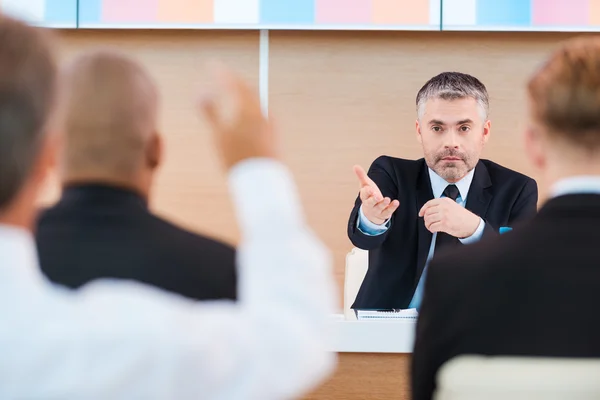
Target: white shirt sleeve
point(120, 340)
point(476, 236)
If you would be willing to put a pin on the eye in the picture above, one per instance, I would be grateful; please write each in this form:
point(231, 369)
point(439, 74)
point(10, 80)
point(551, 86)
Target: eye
point(465, 128)
point(436, 128)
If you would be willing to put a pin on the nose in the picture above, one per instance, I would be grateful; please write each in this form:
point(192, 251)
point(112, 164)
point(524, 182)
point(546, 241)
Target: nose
point(452, 139)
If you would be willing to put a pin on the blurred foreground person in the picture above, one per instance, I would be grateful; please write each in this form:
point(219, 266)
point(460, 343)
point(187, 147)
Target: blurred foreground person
point(101, 227)
point(532, 292)
point(122, 340)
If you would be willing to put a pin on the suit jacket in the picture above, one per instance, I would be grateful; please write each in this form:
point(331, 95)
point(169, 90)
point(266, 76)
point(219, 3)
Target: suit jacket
point(500, 196)
point(532, 292)
point(98, 231)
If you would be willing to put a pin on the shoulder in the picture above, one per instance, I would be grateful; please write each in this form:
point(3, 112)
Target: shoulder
point(474, 277)
point(398, 162)
point(501, 174)
point(398, 166)
point(486, 261)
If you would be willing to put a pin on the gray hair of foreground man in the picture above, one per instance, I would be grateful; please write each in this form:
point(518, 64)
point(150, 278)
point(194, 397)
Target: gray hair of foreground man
point(27, 95)
point(110, 120)
point(453, 86)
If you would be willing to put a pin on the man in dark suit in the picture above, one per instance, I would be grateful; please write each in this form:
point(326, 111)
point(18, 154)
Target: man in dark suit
point(535, 291)
point(408, 210)
point(101, 227)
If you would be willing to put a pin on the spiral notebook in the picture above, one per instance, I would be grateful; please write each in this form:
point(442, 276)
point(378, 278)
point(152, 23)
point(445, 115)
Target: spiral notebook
point(406, 314)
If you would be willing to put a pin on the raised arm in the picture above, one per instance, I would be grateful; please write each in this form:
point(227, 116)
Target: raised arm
point(122, 340)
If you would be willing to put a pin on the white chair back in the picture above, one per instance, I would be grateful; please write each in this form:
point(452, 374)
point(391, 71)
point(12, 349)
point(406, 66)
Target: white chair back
point(357, 263)
point(518, 378)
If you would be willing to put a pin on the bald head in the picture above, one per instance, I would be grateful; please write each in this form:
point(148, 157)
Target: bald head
point(110, 111)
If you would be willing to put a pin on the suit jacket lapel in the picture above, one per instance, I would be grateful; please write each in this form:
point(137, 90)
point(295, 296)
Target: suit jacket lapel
point(479, 197)
point(424, 194)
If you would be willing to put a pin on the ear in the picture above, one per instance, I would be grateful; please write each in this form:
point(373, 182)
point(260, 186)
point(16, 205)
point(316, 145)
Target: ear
point(155, 151)
point(535, 146)
point(46, 160)
point(487, 126)
point(418, 128)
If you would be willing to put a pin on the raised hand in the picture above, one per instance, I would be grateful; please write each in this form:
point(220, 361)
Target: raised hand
point(375, 207)
point(234, 115)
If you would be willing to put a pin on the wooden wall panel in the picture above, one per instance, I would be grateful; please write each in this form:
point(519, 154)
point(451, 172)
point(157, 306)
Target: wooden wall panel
point(339, 98)
point(345, 97)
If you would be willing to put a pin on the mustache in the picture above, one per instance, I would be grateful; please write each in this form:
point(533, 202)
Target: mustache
point(450, 153)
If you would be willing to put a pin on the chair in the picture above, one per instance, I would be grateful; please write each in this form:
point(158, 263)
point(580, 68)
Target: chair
point(518, 378)
point(357, 263)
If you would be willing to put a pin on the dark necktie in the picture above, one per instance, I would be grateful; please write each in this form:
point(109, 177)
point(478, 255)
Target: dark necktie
point(444, 240)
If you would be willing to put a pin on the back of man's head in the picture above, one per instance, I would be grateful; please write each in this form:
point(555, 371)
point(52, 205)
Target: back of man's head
point(27, 94)
point(110, 110)
point(565, 95)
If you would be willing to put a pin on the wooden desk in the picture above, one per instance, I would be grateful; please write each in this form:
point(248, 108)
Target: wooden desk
point(367, 376)
point(373, 361)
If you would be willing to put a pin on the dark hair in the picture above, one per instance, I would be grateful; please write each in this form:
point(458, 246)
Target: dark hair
point(451, 86)
point(27, 91)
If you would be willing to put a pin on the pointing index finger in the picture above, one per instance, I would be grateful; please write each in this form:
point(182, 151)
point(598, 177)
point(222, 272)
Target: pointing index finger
point(363, 178)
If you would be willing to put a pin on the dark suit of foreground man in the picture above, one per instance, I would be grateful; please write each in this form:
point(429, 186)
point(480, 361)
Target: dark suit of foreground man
point(536, 291)
point(102, 227)
point(409, 210)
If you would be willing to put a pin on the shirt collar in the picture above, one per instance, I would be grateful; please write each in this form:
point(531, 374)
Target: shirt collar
point(438, 184)
point(105, 193)
point(581, 184)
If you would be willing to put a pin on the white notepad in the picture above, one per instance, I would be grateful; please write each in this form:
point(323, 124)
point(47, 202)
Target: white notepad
point(408, 314)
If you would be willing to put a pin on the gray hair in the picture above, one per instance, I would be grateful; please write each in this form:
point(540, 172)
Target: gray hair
point(27, 94)
point(452, 86)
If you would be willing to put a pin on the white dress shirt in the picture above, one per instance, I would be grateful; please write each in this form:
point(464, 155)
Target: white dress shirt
point(122, 340)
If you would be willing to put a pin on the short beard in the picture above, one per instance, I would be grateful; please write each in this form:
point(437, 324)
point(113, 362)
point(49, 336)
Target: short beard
point(452, 171)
